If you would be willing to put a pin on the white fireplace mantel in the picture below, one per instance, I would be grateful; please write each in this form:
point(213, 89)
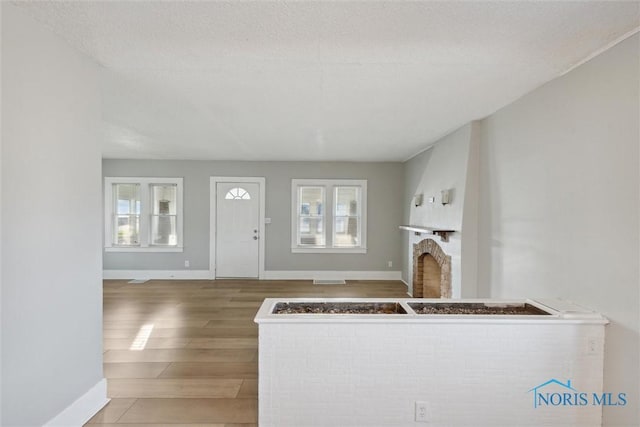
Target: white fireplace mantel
point(419, 229)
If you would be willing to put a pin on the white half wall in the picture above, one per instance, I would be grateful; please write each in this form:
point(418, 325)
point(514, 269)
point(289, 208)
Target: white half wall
point(560, 205)
point(51, 223)
point(370, 372)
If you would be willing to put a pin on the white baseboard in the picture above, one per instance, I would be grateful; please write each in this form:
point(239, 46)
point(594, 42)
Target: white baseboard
point(85, 407)
point(268, 275)
point(408, 287)
point(331, 275)
point(156, 274)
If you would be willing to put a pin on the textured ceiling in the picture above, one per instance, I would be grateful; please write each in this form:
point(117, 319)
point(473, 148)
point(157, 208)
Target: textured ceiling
point(359, 81)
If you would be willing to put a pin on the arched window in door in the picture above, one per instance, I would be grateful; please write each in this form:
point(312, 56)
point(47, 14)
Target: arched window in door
point(238, 193)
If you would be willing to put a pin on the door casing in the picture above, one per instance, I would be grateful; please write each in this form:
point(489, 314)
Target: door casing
point(214, 180)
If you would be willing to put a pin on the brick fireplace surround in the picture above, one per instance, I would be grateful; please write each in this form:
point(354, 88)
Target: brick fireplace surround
point(431, 270)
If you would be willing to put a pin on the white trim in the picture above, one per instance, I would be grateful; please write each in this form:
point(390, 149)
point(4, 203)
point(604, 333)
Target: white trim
point(295, 202)
point(213, 181)
point(85, 407)
point(141, 249)
point(599, 51)
point(268, 275)
point(328, 250)
point(408, 287)
point(422, 150)
point(156, 274)
point(331, 275)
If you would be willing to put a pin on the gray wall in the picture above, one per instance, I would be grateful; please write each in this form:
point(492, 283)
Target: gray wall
point(385, 201)
point(559, 205)
point(51, 222)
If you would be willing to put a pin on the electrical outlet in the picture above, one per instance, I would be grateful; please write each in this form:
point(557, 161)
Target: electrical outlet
point(187, 263)
point(422, 412)
point(390, 264)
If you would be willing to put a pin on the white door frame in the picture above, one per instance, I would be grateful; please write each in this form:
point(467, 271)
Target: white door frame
point(213, 189)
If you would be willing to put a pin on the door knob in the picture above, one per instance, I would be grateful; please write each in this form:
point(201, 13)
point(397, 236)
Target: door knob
point(255, 231)
point(255, 237)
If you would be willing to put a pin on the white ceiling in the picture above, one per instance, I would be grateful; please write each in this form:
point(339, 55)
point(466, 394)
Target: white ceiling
point(357, 81)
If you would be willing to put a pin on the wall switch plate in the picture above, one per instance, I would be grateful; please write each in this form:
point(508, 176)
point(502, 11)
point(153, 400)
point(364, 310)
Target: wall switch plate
point(390, 264)
point(432, 199)
point(187, 263)
point(593, 346)
point(422, 412)
point(267, 220)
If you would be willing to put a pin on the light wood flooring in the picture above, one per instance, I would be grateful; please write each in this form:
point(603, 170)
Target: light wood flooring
point(186, 352)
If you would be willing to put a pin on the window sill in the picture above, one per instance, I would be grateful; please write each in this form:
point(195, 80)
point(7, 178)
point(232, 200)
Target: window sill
point(298, 250)
point(139, 249)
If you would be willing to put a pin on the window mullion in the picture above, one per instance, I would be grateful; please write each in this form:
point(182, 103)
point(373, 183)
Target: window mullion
point(299, 216)
point(145, 215)
point(114, 215)
point(329, 215)
point(325, 218)
point(110, 215)
point(180, 214)
point(325, 210)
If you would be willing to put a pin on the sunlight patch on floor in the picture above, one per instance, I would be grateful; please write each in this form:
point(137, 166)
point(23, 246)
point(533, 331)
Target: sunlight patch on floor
point(140, 341)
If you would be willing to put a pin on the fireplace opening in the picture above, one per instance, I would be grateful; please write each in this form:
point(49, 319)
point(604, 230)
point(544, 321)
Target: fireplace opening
point(431, 270)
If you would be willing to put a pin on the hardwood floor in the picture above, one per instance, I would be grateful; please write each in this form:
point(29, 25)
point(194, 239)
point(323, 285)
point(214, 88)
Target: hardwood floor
point(185, 353)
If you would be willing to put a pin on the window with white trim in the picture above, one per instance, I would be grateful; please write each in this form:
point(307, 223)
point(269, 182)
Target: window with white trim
point(329, 215)
point(143, 214)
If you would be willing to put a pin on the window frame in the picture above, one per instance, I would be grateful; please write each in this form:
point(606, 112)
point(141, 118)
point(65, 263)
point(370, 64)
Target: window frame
point(145, 214)
point(358, 214)
point(329, 216)
point(299, 216)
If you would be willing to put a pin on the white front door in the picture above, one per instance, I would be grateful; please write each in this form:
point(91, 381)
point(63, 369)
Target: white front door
point(237, 229)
